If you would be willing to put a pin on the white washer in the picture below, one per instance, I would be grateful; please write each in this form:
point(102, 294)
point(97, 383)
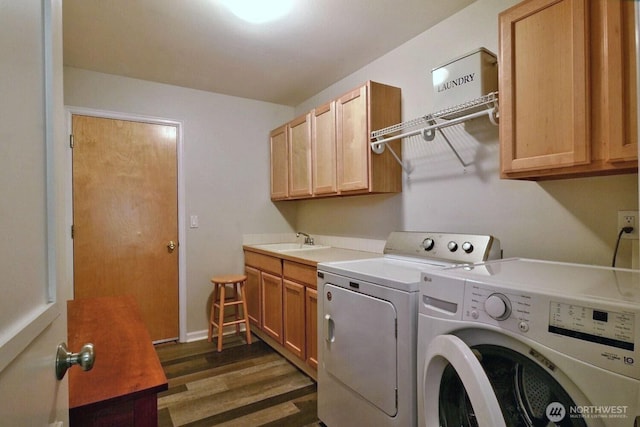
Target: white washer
point(529, 343)
point(367, 326)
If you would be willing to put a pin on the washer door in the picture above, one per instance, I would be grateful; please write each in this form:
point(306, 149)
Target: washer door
point(491, 385)
point(447, 351)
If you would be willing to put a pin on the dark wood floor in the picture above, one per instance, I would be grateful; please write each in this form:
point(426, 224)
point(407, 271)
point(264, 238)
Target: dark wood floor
point(244, 385)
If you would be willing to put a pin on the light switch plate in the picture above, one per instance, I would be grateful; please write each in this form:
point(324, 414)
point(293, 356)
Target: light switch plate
point(193, 223)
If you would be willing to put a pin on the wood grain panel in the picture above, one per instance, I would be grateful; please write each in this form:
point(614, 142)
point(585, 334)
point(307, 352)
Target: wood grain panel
point(384, 110)
point(115, 326)
point(294, 318)
point(252, 292)
point(311, 307)
point(125, 212)
point(279, 163)
point(263, 262)
point(299, 140)
point(353, 140)
point(301, 273)
point(323, 142)
point(272, 306)
point(545, 116)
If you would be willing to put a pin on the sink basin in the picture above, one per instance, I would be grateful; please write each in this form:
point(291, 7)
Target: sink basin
point(288, 247)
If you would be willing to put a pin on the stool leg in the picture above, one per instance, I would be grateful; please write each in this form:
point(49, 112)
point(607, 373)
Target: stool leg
point(221, 317)
point(245, 314)
point(236, 308)
point(213, 309)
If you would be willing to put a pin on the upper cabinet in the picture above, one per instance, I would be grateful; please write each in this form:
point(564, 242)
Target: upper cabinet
point(567, 89)
point(329, 152)
point(323, 145)
point(279, 163)
point(299, 156)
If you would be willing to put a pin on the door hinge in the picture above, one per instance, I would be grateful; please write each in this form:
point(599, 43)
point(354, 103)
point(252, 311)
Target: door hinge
point(71, 142)
point(72, 231)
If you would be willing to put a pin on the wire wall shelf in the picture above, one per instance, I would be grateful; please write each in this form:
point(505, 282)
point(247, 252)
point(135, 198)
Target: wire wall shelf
point(427, 126)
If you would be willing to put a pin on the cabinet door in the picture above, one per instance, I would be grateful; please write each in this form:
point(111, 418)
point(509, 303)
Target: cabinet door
point(299, 140)
point(279, 163)
point(311, 307)
point(353, 140)
point(618, 108)
point(323, 144)
point(294, 319)
point(252, 294)
point(272, 305)
point(544, 92)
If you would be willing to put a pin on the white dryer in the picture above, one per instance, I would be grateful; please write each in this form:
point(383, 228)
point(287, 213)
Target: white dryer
point(523, 342)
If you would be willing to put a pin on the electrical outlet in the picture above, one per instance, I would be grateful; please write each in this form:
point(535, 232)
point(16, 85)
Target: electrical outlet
point(628, 219)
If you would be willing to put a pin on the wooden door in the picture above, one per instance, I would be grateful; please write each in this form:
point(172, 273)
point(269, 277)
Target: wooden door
point(299, 140)
point(544, 93)
point(294, 320)
point(619, 106)
point(279, 163)
point(323, 143)
point(125, 214)
point(252, 294)
point(311, 307)
point(353, 140)
point(272, 305)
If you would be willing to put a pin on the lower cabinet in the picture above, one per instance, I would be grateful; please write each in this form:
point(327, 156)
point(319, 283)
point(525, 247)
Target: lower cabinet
point(294, 319)
point(311, 307)
point(252, 295)
point(282, 306)
point(272, 322)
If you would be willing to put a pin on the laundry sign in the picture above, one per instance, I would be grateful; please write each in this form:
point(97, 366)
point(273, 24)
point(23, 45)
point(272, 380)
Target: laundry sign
point(464, 79)
point(469, 78)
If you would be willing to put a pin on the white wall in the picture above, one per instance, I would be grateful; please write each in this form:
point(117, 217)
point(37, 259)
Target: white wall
point(226, 168)
point(569, 220)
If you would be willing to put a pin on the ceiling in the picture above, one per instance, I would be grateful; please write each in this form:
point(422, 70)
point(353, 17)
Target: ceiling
point(199, 44)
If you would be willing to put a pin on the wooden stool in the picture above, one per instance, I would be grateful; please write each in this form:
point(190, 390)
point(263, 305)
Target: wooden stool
point(221, 300)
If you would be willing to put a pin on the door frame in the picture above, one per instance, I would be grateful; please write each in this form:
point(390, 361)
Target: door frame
point(182, 234)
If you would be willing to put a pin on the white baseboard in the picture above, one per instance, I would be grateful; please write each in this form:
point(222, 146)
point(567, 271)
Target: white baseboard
point(204, 334)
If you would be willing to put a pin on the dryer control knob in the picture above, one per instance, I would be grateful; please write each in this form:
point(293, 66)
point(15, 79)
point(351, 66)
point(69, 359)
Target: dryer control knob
point(428, 244)
point(498, 306)
point(467, 247)
point(453, 246)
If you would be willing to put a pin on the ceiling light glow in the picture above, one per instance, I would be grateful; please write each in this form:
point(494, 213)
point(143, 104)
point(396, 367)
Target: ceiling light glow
point(259, 11)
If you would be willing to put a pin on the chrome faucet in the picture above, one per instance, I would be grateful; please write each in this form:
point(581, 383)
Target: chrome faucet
point(308, 240)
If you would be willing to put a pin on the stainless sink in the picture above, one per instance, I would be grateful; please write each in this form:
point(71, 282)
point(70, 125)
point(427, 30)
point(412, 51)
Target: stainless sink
point(288, 247)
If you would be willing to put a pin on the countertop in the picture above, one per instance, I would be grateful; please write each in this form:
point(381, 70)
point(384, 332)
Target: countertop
point(314, 256)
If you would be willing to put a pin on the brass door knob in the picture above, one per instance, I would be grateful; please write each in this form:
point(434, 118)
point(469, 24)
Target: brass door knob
point(171, 246)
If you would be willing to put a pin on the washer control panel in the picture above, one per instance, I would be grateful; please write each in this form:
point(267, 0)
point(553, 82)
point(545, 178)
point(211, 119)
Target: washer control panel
point(589, 324)
point(515, 310)
point(510, 310)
